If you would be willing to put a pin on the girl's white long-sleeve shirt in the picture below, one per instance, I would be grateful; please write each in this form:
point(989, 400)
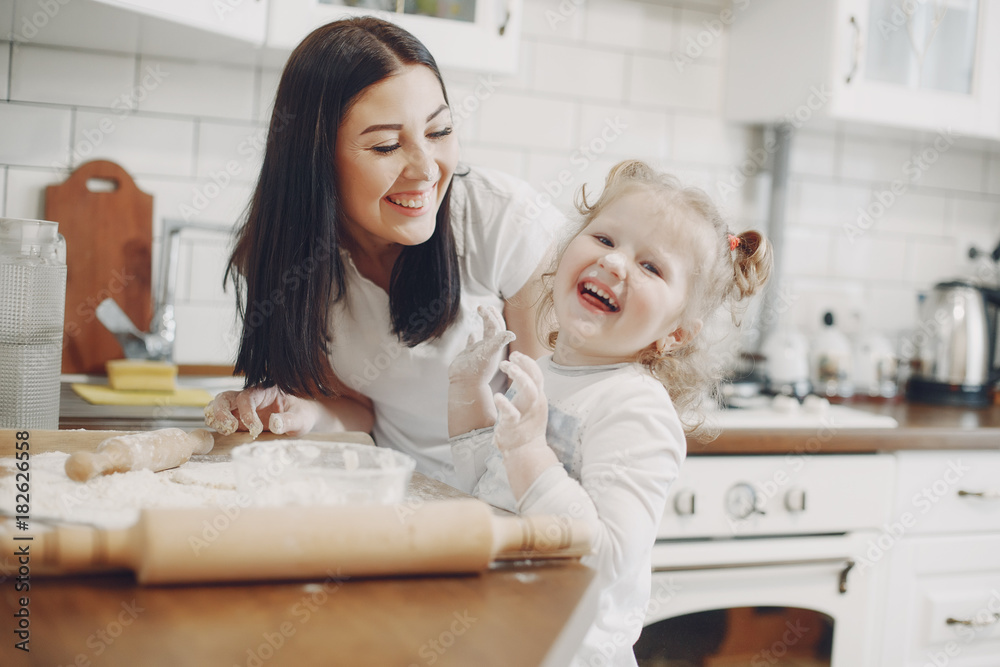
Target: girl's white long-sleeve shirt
point(619, 440)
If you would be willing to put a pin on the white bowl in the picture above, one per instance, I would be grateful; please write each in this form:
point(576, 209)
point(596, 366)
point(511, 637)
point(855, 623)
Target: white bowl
point(307, 472)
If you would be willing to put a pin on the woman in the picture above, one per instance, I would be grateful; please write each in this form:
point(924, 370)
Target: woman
point(365, 255)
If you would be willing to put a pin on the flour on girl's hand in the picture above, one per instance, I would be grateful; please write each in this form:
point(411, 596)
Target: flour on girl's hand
point(114, 501)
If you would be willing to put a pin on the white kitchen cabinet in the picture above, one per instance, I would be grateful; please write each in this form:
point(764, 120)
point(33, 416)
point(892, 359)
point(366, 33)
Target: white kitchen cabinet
point(242, 19)
point(925, 64)
point(480, 35)
point(941, 553)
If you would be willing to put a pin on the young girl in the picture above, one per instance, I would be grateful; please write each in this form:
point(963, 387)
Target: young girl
point(622, 387)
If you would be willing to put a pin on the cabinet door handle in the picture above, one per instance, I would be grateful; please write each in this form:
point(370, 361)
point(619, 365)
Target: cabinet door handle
point(975, 623)
point(985, 495)
point(855, 50)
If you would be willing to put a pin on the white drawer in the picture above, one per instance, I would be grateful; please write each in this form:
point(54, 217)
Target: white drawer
point(932, 580)
point(936, 492)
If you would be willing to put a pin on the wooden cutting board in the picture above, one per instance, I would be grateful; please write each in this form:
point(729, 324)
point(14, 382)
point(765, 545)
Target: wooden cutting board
point(109, 240)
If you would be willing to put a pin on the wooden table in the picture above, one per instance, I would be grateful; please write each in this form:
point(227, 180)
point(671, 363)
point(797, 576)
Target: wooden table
point(515, 614)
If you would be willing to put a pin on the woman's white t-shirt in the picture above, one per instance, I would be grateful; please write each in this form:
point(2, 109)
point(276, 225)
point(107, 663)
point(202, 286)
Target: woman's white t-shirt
point(503, 228)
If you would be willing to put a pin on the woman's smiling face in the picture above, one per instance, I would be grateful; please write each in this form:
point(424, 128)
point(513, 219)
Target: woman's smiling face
point(395, 157)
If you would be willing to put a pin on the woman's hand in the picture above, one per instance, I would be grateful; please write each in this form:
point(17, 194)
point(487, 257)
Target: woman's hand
point(284, 413)
point(469, 403)
point(477, 363)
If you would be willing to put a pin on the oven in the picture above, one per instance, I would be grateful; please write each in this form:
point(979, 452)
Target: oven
point(760, 562)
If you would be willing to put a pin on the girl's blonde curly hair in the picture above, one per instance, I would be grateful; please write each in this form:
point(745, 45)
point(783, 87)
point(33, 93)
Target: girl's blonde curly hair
point(732, 268)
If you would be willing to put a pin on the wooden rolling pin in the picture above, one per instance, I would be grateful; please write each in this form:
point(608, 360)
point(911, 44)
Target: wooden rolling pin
point(152, 450)
point(169, 546)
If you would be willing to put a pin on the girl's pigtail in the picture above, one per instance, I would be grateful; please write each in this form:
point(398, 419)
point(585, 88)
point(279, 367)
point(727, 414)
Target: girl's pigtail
point(752, 262)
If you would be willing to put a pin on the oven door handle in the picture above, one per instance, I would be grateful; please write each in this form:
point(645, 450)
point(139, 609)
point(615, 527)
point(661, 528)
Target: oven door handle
point(848, 564)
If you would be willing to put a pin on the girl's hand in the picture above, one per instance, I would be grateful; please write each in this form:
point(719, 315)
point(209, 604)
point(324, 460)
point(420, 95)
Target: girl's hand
point(284, 413)
point(521, 422)
point(477, 363)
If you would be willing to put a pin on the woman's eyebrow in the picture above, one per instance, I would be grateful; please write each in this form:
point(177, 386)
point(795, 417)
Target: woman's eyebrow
point(397, 126)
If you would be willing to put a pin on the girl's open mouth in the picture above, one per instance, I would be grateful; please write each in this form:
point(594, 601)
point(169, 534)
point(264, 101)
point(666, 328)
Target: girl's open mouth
point(598, 297)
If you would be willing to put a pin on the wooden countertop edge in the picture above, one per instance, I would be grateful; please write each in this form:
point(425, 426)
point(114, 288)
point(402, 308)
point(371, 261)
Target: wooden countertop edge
point(829, 441)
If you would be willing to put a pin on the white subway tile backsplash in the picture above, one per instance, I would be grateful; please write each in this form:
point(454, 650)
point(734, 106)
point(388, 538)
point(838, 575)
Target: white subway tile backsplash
point(4, 67)
point(954, 169)
point(103, 80)
point(140, 144)
point(890, 310)
point(914, 212)
point(870, 256)
point(993, 174)
point(196, 89)
point(268, 88)
point(209, 258)
point(811, 298)
point(26, 190)
point(814, 153)
point(623, 132)
point(84, 25)
point(665, 82)
point(872, 160)
point(7, 22)
point(807, 252)
point(702, 34)
point(34, 136)
point(511, 161)
point(554, 19)
point(709, 140)
point(230, 151)
point(618, 24)
point(929, 260)
point(580, 71)
point(527, 122)
point(828, 203)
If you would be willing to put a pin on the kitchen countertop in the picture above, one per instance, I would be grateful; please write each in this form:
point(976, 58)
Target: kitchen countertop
point(921, 427)
point(518, 613)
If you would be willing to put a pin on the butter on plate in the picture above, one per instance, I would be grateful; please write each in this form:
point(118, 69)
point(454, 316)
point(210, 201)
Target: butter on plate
point(141, 375)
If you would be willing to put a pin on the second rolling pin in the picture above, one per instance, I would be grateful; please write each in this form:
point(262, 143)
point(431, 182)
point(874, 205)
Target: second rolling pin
point(153, 450)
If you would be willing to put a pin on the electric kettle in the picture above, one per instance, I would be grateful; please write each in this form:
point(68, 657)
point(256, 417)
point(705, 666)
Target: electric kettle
point(955, 359)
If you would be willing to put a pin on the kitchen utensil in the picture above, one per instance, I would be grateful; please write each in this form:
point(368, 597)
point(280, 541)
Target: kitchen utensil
point(152, 450)
point(109, 234)
point(169, 546)
point(301, 472)
point(875, 366)
point(830, 361)
point(33, 289)
point(787, 353)
point(956, 346)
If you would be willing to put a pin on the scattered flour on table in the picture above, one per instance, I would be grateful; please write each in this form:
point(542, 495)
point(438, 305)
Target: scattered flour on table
point(114, 501)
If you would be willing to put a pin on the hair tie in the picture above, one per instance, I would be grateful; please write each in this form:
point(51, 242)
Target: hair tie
point(734, 241)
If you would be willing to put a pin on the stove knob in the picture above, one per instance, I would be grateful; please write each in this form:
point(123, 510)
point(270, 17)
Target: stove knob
point(684, 502)
point(795, 500)
point(741, 501)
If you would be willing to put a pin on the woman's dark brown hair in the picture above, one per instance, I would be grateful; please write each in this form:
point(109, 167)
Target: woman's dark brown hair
point(286, 265)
